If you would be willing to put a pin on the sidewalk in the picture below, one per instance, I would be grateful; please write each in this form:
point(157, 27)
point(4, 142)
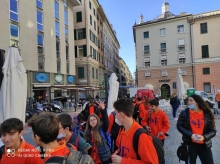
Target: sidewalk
point(174, 140)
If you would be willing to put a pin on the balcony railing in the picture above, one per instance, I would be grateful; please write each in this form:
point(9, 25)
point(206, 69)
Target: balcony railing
point(146, 52)
point(163, 50)
point(58, 55)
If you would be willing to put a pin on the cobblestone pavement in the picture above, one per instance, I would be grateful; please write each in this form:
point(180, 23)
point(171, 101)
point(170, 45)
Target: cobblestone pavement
point(171, 143)
point(174, 140)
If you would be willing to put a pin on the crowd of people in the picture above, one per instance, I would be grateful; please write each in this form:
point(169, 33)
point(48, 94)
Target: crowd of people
point(133, 133)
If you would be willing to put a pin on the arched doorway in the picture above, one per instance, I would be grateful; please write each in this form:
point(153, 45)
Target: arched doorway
point(165, 91)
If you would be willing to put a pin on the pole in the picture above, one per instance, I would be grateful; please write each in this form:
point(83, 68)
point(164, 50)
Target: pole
point(106, 89)
point(2, 60)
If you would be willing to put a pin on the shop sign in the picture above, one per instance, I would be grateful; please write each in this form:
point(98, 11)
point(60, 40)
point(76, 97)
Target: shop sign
point(165, 80)
point(59, 78)
point(41, 77)
point(70, 79)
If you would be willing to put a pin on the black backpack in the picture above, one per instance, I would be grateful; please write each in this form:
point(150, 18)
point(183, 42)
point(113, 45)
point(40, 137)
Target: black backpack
point(115, 128)
point(136, 111)
point(182, 152)
point(158, 144)
point(2, 151)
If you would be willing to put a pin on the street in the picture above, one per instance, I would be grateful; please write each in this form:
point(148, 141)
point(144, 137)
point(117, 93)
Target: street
point(171, 143)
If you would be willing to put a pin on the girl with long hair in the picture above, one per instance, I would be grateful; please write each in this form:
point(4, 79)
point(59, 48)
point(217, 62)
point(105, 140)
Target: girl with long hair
point(93, 134)
point(197, 126)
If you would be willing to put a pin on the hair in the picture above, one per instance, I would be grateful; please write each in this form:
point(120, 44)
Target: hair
point(139, 98)
point(11, 124)
point(146, 102)
point(204, 106)
point(95, 130)
point(174, 94)
point(154, 102)
point(124, 105)
point(66, 121)
point(46, 126)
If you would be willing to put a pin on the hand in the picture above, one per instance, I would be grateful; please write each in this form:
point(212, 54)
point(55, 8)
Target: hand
point(102, 105)
point(193, 137)
point(116, 159)
point(148, 129)
point(160, 134)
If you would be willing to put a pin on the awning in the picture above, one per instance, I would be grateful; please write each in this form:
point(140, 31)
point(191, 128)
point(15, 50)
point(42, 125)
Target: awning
point(48, 85)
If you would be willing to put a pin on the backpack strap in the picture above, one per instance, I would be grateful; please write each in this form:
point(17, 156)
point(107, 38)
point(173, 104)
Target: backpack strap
point(2, 151)
point(136, 141)
point(77, 143)
point(56, 160)
point(149, 117)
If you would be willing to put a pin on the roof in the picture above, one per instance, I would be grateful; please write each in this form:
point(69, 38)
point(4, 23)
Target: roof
point(166, 15)
point(165, 3)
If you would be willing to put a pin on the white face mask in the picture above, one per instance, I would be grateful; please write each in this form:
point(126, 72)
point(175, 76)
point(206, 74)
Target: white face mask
point(118, 122)
point(61, 135)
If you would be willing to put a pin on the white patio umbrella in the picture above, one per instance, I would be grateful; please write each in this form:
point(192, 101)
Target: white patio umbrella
point(13, 93)
point(181, 91)
point(113, 92)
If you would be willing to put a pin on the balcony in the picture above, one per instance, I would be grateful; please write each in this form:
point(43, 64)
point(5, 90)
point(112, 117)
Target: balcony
point(58, 55)
point(146, 52)
point(41, 66)
point(40, 50)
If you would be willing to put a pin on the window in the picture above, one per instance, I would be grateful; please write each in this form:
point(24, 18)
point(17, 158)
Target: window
point(39, 3)
point(58, 66)
point(205, 51)
point(14, 10)
point(67, 53)
point(94, 54)
point(14, 35)
point(147, 62)
point(80, 72)
point(162, 32)
point(91, 50)
point(203, 28)
point(94, 11)
point(163, 47)
point(65, 3)
point(57, 29)
point(56, 9)
point(182, 58)
point(57, 93)
point(180, 28)
point(163, 60)
point(181, 45)
point(79, 16)
point(66, 34)
point(147, 49)
point(90, 5)
point(94, 25)
point(174, 85)
point(81, 52)
point(67, 68)
point(146, 34)
point(40, 43)
point(80, 34)
point(66, 17)
point(96, 73)
point(91, 19)
point(39, 21)
point(206, 71)
point(40, 63)
point(207, 87)
point(93, 73)
point(58, 49)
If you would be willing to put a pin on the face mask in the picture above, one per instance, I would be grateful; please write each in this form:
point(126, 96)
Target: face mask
point(61, 135)
point(118, 122)
point(192, 107)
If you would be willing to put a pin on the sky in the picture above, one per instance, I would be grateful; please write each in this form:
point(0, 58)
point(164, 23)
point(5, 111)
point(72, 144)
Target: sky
point(122, 14)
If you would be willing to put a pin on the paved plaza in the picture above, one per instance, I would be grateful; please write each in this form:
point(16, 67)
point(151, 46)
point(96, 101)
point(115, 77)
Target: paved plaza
point(171, 143)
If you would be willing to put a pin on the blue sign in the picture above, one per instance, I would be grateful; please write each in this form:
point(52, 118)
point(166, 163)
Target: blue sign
point(41, 77)
point(70, 79)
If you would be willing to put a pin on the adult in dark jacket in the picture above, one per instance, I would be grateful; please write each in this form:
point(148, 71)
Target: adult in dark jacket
point(175, 104)
point(197, 125)
point(100, 152)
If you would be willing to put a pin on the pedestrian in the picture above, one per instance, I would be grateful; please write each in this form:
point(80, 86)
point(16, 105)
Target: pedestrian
point(174, 102)
point(73, 137)
point(141, 109)
point(156, 121)
point(125, 154)
point(97, 97)
point(11, 131)
point(197, 126)
point(100, 151)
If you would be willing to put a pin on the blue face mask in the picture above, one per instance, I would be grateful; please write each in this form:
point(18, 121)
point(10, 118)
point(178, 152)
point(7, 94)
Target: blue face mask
point(61, 135)
point(192, 107)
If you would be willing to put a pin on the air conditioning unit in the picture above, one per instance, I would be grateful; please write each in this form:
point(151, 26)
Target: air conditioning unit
point(164, 74)
point(147, 74)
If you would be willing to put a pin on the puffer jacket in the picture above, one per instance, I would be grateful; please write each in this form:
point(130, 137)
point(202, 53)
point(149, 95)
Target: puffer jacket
point(183, 126)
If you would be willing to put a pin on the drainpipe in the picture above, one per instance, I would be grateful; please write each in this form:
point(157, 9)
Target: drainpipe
point(193, 75)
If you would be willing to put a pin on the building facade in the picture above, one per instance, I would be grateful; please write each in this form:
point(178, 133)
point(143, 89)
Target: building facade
point(43, 33)
point(162, 46)
point(206, 39)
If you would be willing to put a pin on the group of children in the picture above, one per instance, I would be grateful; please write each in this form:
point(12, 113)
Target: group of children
point(59, 141)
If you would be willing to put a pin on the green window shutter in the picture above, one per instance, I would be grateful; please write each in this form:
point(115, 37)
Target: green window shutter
point(74, 34)
point(79, 16)
point(75, 51)
point(84, 33)
point(84, 50)
point(80, 72)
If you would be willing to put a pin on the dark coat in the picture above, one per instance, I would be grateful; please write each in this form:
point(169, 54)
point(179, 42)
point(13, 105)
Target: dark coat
point(175, 102)
point(183, 126)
